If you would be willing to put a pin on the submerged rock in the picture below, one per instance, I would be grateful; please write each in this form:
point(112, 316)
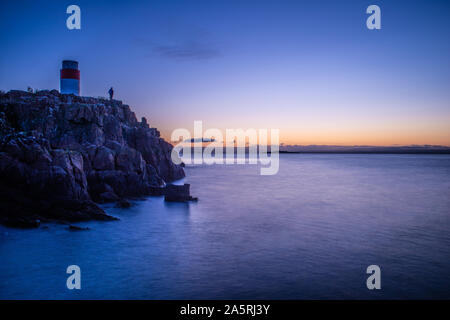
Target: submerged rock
point(123, 203)
point(60, 153)
point(77, 228)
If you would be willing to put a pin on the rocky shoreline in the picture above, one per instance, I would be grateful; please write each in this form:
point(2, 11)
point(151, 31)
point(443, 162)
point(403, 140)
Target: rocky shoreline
point(61, 155)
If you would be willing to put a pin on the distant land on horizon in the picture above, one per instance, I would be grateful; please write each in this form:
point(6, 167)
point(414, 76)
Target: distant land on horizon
point(411, 149)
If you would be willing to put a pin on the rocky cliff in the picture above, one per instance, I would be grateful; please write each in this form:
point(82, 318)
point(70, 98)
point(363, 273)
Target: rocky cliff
point(60, 154)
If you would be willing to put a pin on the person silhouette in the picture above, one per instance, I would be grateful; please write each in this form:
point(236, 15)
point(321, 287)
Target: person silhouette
point(111, 93)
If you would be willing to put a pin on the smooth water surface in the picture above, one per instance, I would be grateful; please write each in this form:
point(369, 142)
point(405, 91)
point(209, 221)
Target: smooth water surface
point(308, 232)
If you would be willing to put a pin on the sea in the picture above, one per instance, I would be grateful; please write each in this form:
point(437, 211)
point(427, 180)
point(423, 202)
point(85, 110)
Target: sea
point(308, 232)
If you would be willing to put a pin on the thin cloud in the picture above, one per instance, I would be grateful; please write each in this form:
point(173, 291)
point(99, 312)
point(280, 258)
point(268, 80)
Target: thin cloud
point(191, 50)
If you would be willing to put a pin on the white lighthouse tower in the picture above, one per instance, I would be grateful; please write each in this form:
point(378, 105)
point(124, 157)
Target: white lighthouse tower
point(70, 78)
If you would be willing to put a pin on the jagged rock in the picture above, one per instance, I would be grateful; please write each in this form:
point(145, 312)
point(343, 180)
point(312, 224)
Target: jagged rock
point(108, 197)
point(103, 159)
point(60, 152)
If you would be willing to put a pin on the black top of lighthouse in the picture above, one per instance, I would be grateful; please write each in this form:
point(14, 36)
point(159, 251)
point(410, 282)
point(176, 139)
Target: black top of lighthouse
point(70, 64)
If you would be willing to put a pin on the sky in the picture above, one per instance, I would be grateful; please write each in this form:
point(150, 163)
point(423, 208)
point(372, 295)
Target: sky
point(311, 69)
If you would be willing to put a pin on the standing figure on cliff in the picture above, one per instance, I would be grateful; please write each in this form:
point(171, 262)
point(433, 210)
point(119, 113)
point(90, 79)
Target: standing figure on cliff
point(111, 93)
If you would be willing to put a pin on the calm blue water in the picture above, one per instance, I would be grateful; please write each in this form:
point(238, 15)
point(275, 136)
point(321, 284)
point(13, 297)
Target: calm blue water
point(308, 232)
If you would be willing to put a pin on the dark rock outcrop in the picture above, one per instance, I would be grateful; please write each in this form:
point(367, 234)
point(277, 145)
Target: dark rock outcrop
point(178, 193)
point(60, 153)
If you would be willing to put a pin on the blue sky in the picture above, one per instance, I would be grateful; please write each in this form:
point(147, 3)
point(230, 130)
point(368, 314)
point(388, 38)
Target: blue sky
point(309, 68)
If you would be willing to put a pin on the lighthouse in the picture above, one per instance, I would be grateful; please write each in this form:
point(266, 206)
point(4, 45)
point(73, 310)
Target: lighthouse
point(70, 78)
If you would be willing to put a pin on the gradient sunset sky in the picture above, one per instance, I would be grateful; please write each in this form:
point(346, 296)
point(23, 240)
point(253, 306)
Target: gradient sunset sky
point(309, 68)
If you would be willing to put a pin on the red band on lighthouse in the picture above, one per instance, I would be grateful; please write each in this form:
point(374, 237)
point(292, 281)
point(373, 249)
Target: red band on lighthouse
point(70, 74)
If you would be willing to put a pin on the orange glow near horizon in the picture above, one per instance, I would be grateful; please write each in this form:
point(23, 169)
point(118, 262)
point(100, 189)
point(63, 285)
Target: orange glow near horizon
point(425, 135)
point(355, 139)
point(336, 123)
